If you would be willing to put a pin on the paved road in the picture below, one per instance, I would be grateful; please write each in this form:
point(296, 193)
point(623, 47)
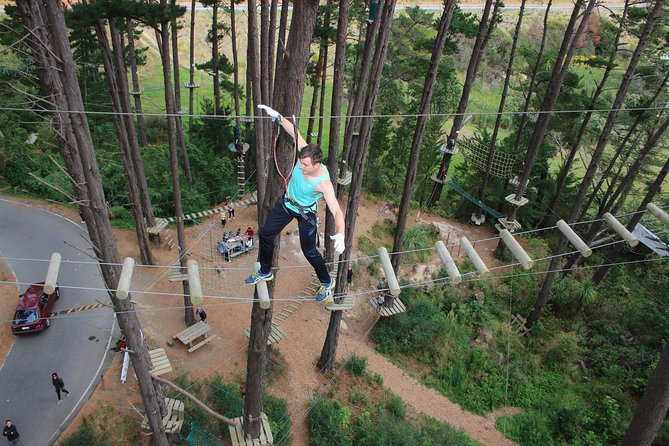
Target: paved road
point(74, 346)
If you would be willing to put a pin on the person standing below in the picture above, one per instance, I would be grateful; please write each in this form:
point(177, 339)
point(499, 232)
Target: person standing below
point(11, 433)
point(202, 314)
point(231, 212)
point(59, 385)
point(349, 278)
point(224, 219)
point(309, 181)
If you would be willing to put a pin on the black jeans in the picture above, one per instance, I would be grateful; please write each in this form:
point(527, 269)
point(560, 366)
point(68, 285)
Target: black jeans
point(278, 219)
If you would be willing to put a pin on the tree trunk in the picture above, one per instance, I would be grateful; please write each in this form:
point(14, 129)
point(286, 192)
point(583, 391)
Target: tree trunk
point(602, 141)
point(235, 62)
point(170, 107)
point(636, 218)
point(135, 154)
point(328, 353)
point(191, 61)
point(214, 64)
point(315, 82)
point(335, 118)
point(289, 92)
point(502, 103)
point(112, 78)
point(419, 132)
point(141, 128)
point(181, 141)
point(324, 77)
point(280, 43)
point(485, 27)
point(253, 77)
point(653, 406)
point(55, 33)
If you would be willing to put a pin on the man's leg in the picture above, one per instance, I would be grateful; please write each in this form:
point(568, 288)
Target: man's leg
point(308, 243)
point(278, 219)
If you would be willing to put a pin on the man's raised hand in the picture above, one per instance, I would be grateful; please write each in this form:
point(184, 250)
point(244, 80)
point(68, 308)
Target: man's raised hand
point(275, 115)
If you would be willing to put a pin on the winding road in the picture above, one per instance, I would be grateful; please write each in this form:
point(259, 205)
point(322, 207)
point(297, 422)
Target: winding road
point(75, 345)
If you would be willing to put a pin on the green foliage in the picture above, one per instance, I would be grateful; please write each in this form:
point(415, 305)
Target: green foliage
point(419, 238)
point(84, 436)
point(563, 352)
point(356, 365)
point(279, 419)
point(366, 245)
point(104, 428)
point(329, 423)
point(226, 398)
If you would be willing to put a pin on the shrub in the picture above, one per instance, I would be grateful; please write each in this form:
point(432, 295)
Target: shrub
point(84, 436)
point(329, 423)
point(527, 428)
point(366, 245)
point(562, 354)
point(279, 419)
point(356, 365)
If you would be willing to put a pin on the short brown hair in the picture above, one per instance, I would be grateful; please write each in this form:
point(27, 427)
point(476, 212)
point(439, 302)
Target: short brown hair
point(312, 151)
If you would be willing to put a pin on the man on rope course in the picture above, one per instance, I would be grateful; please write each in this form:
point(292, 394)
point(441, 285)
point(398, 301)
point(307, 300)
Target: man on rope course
point(305, 185)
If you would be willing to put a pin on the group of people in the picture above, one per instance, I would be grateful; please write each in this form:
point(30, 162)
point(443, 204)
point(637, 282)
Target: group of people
point(234, 242)
point(11, 432)
point(383, 297)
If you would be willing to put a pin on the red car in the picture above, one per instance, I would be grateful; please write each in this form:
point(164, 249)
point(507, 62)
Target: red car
point(33, 310)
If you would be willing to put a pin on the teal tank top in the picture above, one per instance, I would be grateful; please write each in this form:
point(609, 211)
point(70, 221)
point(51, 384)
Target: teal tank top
point(302, 190)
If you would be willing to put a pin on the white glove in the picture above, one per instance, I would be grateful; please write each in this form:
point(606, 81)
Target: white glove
point(275, 115)
point(338, 242)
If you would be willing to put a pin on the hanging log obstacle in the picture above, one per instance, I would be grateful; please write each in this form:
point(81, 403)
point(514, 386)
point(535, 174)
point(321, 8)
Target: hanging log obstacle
point(573, 238)
point(391, 304)
point(659, 214)
point(261, 288)
point(52, 274)
point(517, 250)
point(389, 272)
point(448, 262)
point(194, 283)
point(621, 230)
point(123, 287)
point(474, 256)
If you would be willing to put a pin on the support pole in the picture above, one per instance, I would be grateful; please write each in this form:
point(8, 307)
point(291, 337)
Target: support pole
point(389, 272)
point(474, 256)
point(52, 274)
point(621, 230)
point(659, 214)
point(448, 262)
point(123, 287)
point(517, 250)
point(261, 288)
point(194, 283)
point(573, 238)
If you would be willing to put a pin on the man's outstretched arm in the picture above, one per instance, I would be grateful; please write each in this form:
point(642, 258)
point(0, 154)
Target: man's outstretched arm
point(286, 124)
point(333, 205)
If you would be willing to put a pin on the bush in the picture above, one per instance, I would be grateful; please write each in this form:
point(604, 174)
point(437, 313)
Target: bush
point(356, 365)
point(279, 419)
point(527, 428)
point(84, 436)
point(329, 423)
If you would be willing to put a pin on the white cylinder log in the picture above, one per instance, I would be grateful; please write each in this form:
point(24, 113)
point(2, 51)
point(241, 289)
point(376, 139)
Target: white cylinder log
point(517, 250)
point(389, 272)
point(474, 256)
point(194, 284)
point(448, 262)
point(621, 230)
point(573, 238)
point(658, 213)
point(123, 287)
point(263, 292)
point(52, 274)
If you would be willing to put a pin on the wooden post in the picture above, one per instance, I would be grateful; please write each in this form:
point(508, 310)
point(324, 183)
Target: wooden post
point(123, 287)
point(515, 248)
point(194, 283)
point(474, 256)
point(658, 213)
point(622, 231)
point(52, 274)
point(448, 262)
point(573, 238)
point(263, 293)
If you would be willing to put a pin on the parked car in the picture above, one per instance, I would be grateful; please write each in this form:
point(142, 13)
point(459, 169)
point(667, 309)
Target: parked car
point(33, 310)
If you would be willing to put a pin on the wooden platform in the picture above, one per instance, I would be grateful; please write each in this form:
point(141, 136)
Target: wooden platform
point(275, 335)
point(161, 223)
point(239, 439)
point(190, 335)
point(345, 303)
point(173, 419)
point(396, 308)
point(160, 364)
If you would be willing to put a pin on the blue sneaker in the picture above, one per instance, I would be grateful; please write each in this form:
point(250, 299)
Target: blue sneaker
point(257, 277)
point(325, 290)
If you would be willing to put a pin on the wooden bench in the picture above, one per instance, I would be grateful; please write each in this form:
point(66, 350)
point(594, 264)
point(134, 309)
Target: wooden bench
point(239, 439)
point(160, 364)
point(520, 321)
point(345, 303)
point(190, 335)
point(173, 419)
point(275, 335)
point(396, 308)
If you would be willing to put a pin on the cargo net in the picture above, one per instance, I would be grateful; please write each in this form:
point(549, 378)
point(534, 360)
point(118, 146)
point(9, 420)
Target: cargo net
point(477, 155)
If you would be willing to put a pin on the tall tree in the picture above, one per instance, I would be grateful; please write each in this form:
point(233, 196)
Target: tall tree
point(191, 65)
point(329, 350)
point(419, 132)
point(602, 141)
point(46, 23)
point(133, 57)
point(486, 26)
point(181, 140)
point(289, 93)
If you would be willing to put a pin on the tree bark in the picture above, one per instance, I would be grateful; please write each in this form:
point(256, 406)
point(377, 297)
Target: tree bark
point(419, 132)
point(51, 23)
point(602, 141)
point(132, 53)
point(191, 61)
point(181, 141)
point(253, 76)
point(235, 62)
point(170, 107)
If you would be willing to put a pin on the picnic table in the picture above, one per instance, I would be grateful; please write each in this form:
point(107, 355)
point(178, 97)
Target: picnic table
point(190, 335)
point(173, 419)
point(236, 246)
